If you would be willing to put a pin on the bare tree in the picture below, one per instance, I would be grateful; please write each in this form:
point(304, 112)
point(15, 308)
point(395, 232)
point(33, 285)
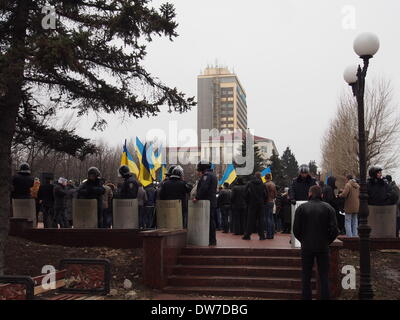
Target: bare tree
point(382, 122)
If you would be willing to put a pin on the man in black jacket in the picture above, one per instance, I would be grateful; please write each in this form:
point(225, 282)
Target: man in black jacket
point(93, 188)
point(46, 198)
point(224, 204)
point(299, 188)
point(239, 207)
point(60, 205)
point(256, 194)
point(175, 188)
point(22, 183)
point(380, 192)
point(207, 190)
point(316, 228)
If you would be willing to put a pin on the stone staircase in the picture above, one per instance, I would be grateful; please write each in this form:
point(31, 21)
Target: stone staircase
point(240, 272)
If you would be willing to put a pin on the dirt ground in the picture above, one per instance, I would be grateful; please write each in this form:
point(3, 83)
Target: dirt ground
point(27, 258)
point(385, 273)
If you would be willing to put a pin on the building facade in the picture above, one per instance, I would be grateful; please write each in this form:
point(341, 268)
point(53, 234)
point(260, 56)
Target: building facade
point(221, 101)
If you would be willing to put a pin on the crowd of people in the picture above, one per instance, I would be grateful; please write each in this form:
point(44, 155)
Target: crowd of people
point(241, 208)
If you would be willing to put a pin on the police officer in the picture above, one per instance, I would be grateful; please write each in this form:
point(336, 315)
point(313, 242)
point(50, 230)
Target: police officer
point(207, 190)
point(301, 185)
point(129, 188)
point(22, 183)
point(93, 188)
point(380, 192)
point(175, 188)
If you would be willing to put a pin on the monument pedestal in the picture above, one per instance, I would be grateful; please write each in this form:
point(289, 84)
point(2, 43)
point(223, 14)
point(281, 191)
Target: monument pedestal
point(199, 223)
point(84, 212)
point(169, 214)
point(26, 209)
point(382, 220)
point(294, 242)
point(125, 214)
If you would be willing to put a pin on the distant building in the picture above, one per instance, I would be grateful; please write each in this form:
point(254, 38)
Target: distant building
point(221, 101)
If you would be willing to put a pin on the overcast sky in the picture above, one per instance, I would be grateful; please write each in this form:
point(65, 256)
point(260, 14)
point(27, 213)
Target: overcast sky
point(289, 55)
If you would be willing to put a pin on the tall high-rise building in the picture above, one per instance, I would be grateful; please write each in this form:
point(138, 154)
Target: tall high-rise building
point(221, 101)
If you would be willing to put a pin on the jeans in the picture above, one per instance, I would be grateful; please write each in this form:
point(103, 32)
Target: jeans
point(269, 219)
point(307, 261)
point(351, 224)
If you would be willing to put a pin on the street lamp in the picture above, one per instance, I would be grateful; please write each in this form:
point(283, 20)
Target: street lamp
point(365, 45)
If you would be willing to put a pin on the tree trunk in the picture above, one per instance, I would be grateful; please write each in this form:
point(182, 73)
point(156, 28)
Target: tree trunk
point(10, 101)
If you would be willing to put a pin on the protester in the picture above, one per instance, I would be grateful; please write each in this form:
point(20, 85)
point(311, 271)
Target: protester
point(207, 190)
point(351, 194)
point(60, 193)
point(34, 195)
point(71, 194)
point(46, 199)
point(329, 196)
point(224, 205)
point(285, 210)
point(380, 192)
point(107, 204)
point(269, 206)
point(315, 226)
point(218, 214)
point(239, 207)
point(142, 198)
point(300, 186)
point(22, 183)
point(256, 194)
point(149, 206)
point(93, 188)
point(175, 188)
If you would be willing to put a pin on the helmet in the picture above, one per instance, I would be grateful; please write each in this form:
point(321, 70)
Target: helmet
point(203, 166)
point(170, 170)
point(95, 171)
point(24, 168)
point(124, 171)
point(177, 172)
point(304, 169)
point(373, 171)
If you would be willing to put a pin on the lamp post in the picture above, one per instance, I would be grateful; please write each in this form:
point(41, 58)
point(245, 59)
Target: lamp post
point(365, 45)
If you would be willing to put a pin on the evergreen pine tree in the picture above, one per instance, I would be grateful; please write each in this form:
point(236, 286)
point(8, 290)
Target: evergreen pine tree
point(290, 166)
point(277, 169)
point(90, 61)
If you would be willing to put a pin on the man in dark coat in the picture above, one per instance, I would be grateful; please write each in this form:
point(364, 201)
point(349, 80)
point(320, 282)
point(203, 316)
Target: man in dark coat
point(46, 199)
point(316, 228)
point(298, 190)
point(149, 205)
point(329, 196)
point(380, 192)
point(93, 188)
point(207, 190)
point(239, 207)
point(256, 194)
point(128, 189)
point(224, 204)
point(22, 183)
point(175, 188)
point(60, 205)
point(284, 206)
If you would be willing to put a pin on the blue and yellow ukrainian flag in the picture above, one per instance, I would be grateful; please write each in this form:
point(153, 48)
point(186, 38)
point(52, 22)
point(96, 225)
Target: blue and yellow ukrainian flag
point(162, 172)
point(156, 159)
point(229, 175)
point(145, 177)
point(264, 172)
point(139, 149)
point(127, 160)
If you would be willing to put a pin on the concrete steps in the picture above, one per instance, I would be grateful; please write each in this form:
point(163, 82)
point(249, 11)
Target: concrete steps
point(240, 272)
